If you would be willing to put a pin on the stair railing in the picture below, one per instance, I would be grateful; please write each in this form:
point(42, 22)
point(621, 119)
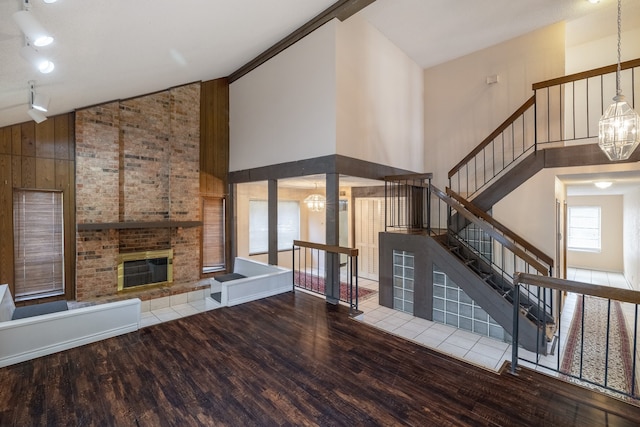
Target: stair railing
point(500, 151)
point(562, 111)
point(515, 238)
point(496, 249)
point(582, 352)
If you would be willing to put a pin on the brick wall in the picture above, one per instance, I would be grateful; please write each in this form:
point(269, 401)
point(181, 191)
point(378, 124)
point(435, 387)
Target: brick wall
point(137, 160)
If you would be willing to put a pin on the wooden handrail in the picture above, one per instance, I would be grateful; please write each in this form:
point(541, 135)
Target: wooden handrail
point(493, 135)
point(587, 74)
point(328, 248)
point(542, 269)
point(608, 292)
point(491, 220)
point(412, 176)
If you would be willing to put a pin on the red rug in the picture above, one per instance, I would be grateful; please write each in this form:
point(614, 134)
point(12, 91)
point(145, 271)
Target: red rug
point(315, 283)
point(588, 361)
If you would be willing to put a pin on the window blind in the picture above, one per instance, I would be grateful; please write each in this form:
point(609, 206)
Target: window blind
point(38, 243)
point(213, 238)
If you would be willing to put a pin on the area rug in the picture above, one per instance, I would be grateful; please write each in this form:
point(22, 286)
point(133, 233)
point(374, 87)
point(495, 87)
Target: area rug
point(593, 352)
point(315, 283)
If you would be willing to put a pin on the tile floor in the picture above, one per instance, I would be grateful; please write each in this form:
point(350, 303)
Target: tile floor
point(483, 351)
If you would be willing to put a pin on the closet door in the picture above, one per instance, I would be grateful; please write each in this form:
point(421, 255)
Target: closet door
point(369, 223)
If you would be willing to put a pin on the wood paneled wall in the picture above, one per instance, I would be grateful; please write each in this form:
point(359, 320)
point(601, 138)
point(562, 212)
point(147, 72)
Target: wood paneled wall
point(214, 137)
point(38, 156)
point(214, 146)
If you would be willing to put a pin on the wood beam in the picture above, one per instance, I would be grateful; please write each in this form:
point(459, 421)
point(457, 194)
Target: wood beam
point(341, 10)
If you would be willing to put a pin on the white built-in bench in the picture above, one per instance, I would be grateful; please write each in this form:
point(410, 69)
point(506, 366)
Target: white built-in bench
point(30, 332)
point(250, 280)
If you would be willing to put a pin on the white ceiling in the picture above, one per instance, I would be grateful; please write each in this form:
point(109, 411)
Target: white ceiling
point(584, 184)
point(113, 49)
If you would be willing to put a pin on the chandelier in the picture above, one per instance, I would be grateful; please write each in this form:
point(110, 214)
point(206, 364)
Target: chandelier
point(315, 202)
point(619, 125)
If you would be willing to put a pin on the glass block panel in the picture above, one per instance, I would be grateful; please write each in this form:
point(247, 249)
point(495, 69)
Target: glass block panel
point(452, 307)
point(451, 319)
point(480, 314)
point(438, 304)
point(466, 324)
point(438, 278)
point(452, 293)
point(438, 291)
point(496, 332)
point(466, 310)
point(438, 316)
point(408, 284)
point(481, 328)
point(408, 307)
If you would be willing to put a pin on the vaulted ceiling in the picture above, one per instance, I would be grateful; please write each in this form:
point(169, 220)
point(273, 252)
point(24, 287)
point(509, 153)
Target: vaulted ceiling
point(114, 49)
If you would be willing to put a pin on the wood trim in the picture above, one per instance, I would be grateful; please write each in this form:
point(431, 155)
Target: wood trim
point(137, 224)
point(341, 10)
point(491, 220)
point(328, 248)
point(586, 74)
point(520, 111)
point(490, 231)
point(608, 292)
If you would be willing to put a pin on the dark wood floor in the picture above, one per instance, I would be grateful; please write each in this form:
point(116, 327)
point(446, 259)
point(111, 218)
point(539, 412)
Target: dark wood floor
point(285, 360)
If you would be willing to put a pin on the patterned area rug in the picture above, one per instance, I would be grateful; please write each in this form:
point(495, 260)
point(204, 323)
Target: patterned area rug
point(588, 360)
point(315, 283)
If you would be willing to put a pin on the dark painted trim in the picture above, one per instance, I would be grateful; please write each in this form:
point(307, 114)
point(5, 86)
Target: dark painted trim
point(333, 163)
point(341, 10)
point(272, 218)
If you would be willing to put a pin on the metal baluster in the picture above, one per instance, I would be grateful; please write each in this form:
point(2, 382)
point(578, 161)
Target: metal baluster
point(606, 356)
point(515, 332)
point(584, 308)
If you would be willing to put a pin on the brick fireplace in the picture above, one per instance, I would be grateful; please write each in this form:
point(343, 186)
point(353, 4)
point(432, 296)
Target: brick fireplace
point(137, 186)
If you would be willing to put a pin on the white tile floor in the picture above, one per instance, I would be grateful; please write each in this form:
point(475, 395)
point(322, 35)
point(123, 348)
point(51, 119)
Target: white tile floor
point(483, 351)
point(169, 308)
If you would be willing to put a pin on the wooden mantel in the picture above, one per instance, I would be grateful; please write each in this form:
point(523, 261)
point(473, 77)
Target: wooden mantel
point(137, 224)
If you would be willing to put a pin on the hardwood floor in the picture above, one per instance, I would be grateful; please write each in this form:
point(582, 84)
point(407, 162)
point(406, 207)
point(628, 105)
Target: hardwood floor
point(285, 360)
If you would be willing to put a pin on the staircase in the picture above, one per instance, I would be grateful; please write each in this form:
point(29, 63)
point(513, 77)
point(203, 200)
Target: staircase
point(477, 252)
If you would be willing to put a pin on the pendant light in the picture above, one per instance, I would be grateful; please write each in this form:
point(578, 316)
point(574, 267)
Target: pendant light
point(619, 125)
point(315, 202)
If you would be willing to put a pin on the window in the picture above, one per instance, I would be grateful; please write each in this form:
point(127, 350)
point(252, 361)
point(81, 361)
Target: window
point(584, 228)
point(38, 243)
point(288, 225)
point(213, 238)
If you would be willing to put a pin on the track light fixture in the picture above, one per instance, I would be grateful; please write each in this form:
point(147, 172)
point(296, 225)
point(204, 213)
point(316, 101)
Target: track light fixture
point(43, 64)
point(30, 27)
point(38, 103)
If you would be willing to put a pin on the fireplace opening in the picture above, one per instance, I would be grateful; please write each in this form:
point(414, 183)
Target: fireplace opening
point(149, 268)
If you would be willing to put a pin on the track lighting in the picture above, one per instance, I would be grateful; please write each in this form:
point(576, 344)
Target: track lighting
point(36, 115)
point(43, 64)
point(38, 103)
point(31, 28)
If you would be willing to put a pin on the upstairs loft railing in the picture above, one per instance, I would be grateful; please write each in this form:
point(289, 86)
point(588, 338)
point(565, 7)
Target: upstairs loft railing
point(407, 202)
point(312, 271)
point(597, 344)
point(562, 111)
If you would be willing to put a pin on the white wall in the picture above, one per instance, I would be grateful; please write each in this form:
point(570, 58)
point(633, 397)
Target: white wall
point(591, 41)
point(461, 109)
point(530, 211)
point(380, 96)
point(610, 256)
point(631, 238)
point(285, 110)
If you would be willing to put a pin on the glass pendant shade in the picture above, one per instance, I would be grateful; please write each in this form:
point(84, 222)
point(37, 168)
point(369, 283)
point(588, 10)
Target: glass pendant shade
point(315, 202)
point(618, 130)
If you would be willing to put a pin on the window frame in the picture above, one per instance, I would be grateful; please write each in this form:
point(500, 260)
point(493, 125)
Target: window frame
point(265, 227)
point(571, 243)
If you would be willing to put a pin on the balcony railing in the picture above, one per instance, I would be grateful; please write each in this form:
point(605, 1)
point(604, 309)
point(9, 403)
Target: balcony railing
point(313, 271)
point(596, 344)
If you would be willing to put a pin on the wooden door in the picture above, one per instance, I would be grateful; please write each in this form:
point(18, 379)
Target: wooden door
point(369, 222)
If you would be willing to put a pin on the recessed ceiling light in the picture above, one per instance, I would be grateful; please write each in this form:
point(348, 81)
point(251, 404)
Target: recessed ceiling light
point(603, 184)
point(594, 1)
